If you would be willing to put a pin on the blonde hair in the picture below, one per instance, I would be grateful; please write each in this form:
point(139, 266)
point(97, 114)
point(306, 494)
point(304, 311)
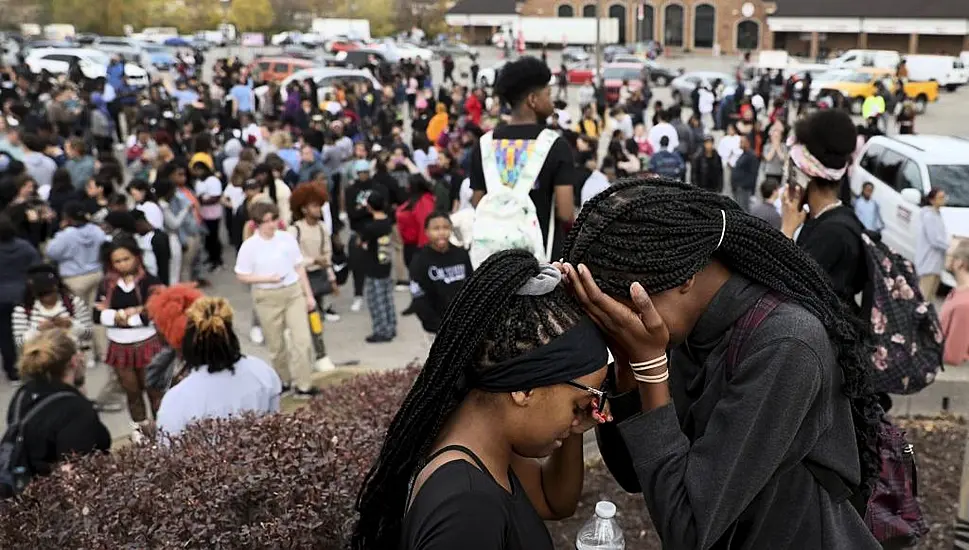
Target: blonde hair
point(281, 140)
point(960, 254)
point(47, 355)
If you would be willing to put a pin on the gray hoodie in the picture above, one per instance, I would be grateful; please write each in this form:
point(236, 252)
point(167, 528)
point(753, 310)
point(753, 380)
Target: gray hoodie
point(723, 466)
point(77, 249)
point(81, 170)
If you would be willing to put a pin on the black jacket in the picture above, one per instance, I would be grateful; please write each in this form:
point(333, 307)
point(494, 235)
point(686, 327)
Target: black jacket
point(707, 173)
point(64, 427)
point(436, 277)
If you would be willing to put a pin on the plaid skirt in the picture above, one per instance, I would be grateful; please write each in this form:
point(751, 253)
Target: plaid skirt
point(136, 355)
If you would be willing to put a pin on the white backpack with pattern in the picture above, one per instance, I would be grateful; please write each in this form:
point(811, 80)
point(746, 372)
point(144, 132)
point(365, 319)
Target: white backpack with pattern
point(506, 218)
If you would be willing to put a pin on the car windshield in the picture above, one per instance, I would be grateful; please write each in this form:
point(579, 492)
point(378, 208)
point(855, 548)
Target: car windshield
point(954, 180)
point(98, 58)
point(620, 73)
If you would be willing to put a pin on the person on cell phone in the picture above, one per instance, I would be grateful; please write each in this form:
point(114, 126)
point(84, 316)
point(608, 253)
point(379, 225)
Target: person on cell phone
point(813, 212)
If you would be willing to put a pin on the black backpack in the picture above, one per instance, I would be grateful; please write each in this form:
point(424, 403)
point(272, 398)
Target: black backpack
point(15, 473)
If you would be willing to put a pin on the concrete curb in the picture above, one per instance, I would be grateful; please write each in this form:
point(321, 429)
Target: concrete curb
point(948, 395)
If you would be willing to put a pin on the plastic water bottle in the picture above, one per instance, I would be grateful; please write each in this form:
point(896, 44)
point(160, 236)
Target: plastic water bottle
point(602, 531)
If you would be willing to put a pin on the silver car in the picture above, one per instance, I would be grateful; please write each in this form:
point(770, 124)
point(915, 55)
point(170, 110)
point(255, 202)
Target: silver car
point(683, 85)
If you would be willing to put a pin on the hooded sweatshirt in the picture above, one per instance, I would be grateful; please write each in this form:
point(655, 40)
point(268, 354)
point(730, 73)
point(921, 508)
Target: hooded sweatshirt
point(436, 277)
point(77, 249)
point(233, 148)
point(81, 170)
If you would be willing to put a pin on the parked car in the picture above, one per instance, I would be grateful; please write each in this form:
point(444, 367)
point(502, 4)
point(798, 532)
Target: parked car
point(856, 86)
point(361, 57)
point(93, 63)
point(342, 45)
point(129, 50)
point(903, 169)
point(611, 51)
point(659, 75)
point(326, 77)
point(406, 50)
point(947, 70)
point(454, 49)
point(578, 73)
point(276, 69)
point(614, 74)
point(854, 59)
point(684, 84)
point(575, 54)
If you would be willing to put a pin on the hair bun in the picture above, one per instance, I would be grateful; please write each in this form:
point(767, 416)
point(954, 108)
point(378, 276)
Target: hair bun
point(830, 136)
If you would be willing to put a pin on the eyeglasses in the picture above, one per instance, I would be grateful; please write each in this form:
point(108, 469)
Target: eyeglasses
point(600, 399)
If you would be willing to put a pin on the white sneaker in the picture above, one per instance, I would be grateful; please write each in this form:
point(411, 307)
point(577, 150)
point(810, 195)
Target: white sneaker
point(331, 317)
point(324, 364)
point(137, 435)
point(256, 336)
point(402, 288)
point(357, 304)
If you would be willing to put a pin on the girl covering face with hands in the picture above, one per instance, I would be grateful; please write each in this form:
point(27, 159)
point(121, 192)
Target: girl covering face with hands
point(739, 374)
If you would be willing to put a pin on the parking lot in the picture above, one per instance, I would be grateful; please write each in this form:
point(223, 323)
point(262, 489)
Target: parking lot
point(948, 116)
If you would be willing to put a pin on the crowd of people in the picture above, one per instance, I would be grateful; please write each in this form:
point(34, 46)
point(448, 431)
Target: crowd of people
point(117, 204)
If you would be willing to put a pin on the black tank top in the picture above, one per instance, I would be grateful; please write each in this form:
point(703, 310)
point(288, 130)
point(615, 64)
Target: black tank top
point(460, 506)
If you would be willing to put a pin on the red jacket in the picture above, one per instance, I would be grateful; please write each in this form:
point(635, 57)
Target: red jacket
point(410, 222)
point(473, 107)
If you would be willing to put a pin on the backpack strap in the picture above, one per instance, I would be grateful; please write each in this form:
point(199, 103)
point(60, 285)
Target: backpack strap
point(529, 173)
point(746, 325)
point(827, 478)
point(36, 408)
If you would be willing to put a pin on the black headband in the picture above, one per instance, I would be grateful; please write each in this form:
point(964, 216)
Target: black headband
point(579, 351)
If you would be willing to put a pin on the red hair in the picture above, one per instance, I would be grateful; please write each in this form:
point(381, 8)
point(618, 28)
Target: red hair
point(167, 307)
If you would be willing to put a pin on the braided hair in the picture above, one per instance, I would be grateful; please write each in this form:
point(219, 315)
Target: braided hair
point(660, 232)
point(473, 337)
point(209, 338)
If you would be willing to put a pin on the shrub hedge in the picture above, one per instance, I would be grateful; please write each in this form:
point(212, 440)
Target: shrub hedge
point(280, 481)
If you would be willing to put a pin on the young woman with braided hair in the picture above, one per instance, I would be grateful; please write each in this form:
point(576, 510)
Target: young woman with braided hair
point(767, 372)
point(221, 381)
point(512, 377)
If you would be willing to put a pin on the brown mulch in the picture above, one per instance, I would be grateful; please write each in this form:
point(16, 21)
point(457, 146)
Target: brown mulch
point(938, 442)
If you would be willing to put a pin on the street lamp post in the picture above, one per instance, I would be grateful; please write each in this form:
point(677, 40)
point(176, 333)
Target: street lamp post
point(598, 44)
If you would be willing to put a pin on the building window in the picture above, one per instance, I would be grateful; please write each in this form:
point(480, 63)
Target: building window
point(565, 10)
point(589, 10)
point(673, 26)
point(644, 27)
point(748, 35)
point(704, 23)
point(617, 11)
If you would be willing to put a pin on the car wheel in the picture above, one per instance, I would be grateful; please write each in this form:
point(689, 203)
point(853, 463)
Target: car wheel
point(661, 81)
point(856, 106)
point(484, 82)
point(677, 99)
point(922, 103)
point(951, 87)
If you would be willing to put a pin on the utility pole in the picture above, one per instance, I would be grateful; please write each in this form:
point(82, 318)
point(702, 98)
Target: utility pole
point(598, 45)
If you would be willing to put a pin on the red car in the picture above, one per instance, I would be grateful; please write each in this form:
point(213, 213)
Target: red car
point(613, 76)
point(580, 73)
point(344, 45)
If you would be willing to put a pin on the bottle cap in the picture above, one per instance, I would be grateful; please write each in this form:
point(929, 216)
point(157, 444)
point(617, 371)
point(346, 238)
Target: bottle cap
point(605, 509)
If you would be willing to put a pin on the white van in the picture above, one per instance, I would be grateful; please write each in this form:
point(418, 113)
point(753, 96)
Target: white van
point(949, 71)
point(903, 169)
point(879, 59)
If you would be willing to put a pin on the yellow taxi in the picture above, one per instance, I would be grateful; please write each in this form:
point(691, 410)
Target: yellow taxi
point(857, 85)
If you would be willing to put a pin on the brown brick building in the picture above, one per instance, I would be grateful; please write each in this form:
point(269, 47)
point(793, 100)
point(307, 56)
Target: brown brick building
point(726, 26)
point(693, 25)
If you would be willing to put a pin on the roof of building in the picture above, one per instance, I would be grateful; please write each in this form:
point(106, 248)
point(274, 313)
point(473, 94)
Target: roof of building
point(923, 9)
point(483, 7)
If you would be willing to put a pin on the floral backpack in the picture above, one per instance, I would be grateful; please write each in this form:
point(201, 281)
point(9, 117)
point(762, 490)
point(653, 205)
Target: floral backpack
point(905, 328)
